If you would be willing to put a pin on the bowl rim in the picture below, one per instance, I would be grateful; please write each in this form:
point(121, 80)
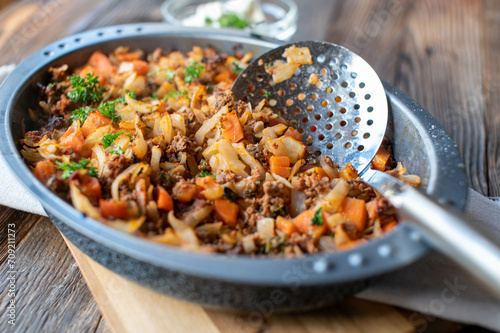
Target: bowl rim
point(394, 250)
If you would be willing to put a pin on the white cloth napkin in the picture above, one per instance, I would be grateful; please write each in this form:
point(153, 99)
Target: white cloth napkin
point(434, 286)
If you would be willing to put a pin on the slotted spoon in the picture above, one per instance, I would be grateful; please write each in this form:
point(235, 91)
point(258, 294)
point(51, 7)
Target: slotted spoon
point(339, 105)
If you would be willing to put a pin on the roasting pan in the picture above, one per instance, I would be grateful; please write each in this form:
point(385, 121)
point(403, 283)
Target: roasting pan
point(232, 282)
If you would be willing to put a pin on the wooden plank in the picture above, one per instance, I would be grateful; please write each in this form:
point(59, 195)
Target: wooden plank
point(129, 307)
point(491, 92)
point(23, 223)
point(51, 294)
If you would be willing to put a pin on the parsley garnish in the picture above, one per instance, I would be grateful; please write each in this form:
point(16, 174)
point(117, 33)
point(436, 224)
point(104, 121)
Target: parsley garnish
point(237, 68)
point(208, 20)
point(268, 94)
point(117, 151)
point(318, 217)
point(81, 113)
point(85, 89)
point(131, 93)
point(206, 174)
point(192, 72)
point(282, 211)
point(176, 94)
point(108, 139)
point(170, 74)
point(233, 21)
point(153, 95)
point(132, 138)
point(108, 110)
point(70, 167)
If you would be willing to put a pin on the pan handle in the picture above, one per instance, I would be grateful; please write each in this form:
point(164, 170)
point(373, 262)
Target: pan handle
point(446, 230)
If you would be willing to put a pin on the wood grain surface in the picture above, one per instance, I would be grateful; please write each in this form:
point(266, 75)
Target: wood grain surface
point(444, 54)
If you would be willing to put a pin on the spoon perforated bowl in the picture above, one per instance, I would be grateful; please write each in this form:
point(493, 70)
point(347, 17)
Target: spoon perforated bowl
point(339, 105)
point(342, 115)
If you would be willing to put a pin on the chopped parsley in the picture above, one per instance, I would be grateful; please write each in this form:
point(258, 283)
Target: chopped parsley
point(237, 68)
point(85, 89)
point(282, 211)
point(131, 93)
point(176, 94)
point(268, 94)
point(192, 71)
point(206, 174)
point(318, 217)
point(81, 113)
point(70, 167)
point(153, 95)
point(132, 138)
point(108, 110)
point(117, 151)
point(108, 139)
point(208, 20)
point(170, 74)
point(233, 21)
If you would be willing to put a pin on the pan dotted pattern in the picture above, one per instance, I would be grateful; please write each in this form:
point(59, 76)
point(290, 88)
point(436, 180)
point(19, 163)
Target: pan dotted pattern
point(338, 102)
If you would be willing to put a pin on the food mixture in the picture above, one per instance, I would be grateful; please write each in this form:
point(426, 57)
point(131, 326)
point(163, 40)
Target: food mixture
point(156, 146)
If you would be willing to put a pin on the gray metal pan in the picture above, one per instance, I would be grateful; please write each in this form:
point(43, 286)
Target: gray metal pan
point(233, 282)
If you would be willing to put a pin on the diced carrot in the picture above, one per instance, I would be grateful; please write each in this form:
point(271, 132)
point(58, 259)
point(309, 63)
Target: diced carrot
point(380, 160)
point(93, 122)
point(351, 244)
point(232, 130)
point(227, 211)
point(91, 70)
point(284, 225)
point(389, 226)
point(210, 189)
point(112, 208)
point(44, 170)
point(101, 63)
point(73, 139)
point(317, 171)
point(292, 132)
point(130, 56)
point(90, 187)
point(303, 223)
point(280, 165)
point(141, 67)
point(354, 210)
point(163, 199)
point(348, 172)
point(186, 193)
point(226, 76)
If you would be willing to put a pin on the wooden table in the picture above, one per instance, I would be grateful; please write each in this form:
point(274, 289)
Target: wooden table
point(444, 54)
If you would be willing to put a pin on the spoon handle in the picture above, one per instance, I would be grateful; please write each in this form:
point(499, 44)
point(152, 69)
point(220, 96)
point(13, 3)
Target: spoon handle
point(444, 228)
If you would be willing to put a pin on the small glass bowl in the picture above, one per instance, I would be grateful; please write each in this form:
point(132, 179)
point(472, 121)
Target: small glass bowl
point(281, 16)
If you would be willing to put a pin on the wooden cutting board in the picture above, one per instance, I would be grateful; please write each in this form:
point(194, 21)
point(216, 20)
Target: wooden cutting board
point(128, 307)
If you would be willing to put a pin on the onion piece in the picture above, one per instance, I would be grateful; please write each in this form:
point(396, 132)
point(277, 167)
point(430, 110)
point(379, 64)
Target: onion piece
point(167, 127)
point(129, 226)
point(155, 158)
point(82, 203)
point(209, 125)
point(140, 145)
point(168, 237)
point(248, 158)
point(134, 172)
point(331, 172)
point(198, 215)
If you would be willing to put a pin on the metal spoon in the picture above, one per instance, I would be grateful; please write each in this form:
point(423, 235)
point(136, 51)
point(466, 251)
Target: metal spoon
point(344, 116)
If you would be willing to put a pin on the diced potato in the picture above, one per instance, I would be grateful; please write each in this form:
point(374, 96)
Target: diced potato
point(265, 228)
